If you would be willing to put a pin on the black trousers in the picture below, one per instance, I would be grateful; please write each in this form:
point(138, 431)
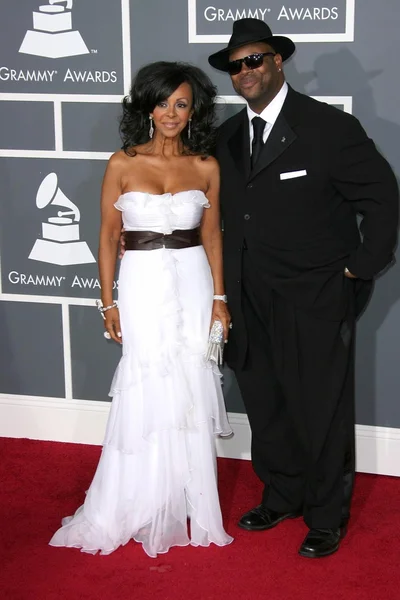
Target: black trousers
point(297, 384)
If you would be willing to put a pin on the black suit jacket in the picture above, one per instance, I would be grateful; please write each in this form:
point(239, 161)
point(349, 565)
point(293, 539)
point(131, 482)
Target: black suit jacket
point(301, 232)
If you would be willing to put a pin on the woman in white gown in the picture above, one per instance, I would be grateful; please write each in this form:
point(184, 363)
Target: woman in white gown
point(156, 480)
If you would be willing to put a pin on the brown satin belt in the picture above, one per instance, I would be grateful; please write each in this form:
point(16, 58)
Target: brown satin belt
point(151, 240)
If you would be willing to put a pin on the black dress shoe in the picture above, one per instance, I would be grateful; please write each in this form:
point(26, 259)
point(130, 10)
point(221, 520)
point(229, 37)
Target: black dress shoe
point(320, 542)
point(261, 518)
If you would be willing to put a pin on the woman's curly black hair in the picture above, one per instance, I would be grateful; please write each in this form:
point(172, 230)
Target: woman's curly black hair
point(154, 83)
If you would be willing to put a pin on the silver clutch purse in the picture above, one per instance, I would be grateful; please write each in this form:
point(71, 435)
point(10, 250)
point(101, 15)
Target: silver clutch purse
point(215, 349)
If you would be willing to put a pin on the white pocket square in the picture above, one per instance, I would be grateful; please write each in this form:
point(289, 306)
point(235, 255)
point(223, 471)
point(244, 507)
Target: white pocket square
point(292, 174)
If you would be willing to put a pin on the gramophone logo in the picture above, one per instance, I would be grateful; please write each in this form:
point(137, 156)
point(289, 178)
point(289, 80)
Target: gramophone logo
point(52, 35)
point(61, 243)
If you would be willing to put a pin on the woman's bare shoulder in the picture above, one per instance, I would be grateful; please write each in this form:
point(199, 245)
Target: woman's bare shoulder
point(121, 160)
point(118, 159)
point(209, 168)
point(208, 164)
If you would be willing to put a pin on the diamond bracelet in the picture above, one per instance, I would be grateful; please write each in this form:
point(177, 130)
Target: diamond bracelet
point(219, 297)
point(102, 309)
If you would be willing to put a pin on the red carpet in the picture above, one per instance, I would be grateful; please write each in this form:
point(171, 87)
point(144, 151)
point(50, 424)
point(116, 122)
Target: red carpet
point(43, 481)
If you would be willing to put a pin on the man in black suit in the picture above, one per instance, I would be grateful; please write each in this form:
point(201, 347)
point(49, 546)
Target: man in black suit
point(294, 175)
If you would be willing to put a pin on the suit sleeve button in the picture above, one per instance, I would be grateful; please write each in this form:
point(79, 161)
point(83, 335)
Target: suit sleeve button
point(246, 217)
point(249, 186)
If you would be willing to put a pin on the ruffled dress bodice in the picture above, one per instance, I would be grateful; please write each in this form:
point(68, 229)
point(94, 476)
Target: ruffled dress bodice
point(163, 213)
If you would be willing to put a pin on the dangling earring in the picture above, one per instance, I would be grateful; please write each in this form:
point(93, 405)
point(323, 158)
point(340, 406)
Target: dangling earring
point(190, 129)
point(151, 130)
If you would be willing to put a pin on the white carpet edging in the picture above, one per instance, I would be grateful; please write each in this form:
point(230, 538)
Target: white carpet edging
point(84, 421)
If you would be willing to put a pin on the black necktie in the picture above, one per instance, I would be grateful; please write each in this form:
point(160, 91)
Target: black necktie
point(258, 130)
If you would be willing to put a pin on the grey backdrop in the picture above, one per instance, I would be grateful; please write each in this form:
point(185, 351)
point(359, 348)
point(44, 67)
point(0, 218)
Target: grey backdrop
point(59, 115)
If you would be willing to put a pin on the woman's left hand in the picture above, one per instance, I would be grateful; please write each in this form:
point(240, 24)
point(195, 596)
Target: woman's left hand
point(220, 312)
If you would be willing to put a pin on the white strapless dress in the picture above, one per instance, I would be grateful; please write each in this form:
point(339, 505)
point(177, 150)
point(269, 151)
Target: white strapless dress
point(157, 471)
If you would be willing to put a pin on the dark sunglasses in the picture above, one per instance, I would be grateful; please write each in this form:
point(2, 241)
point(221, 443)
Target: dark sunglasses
point(252, 61)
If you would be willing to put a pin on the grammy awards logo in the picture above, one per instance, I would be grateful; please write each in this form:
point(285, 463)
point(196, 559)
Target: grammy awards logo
point(61, 243)
point(52, 35)
point(210, 22)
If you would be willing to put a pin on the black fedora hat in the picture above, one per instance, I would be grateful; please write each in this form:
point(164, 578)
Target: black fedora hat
point(248, 31)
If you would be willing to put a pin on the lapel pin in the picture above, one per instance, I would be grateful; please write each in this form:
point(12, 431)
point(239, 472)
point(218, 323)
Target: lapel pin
point(283, 139)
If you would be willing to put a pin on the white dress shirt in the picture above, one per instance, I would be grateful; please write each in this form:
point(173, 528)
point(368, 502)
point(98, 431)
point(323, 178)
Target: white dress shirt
point(269, 114)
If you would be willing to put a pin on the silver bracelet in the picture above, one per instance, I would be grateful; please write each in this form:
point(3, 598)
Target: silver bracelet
point(219, 297)
point(102, 309)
